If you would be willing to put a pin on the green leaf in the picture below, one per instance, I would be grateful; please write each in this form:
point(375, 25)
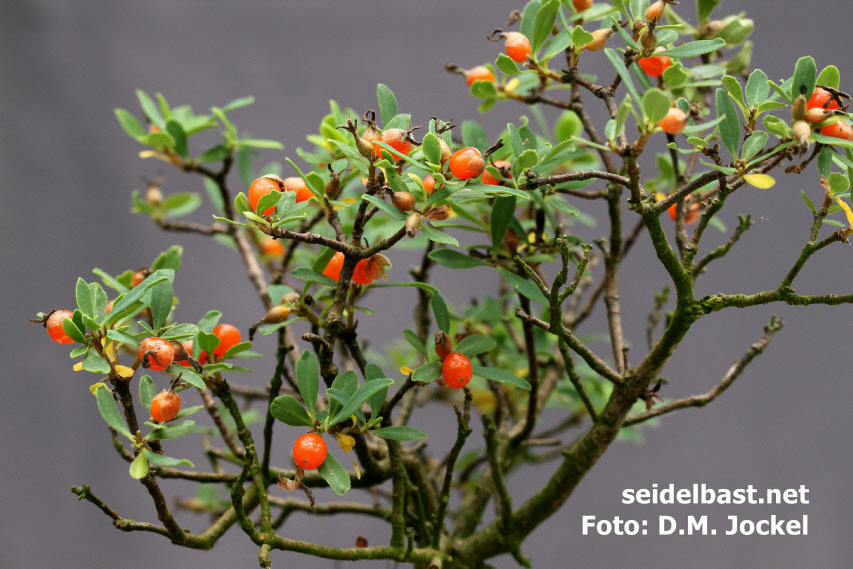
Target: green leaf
point(455, 259)
point(308, 380)
point(559, 203)
point(179, 332)
point(474, 345)
point(838, 183)
point(172, 431)
point(484, 90)
point(161, 303)
point(777, 126)
point(626, 37)
point(261, 143)
point(829, 77)
point(501, 376)
point(306, 274)
point(346, 383)
point(359, 397)
point(704, 9)
point(432, 148)
point(730, 126)
point(415, 342)
point(387, 103)
point(147, 391)
point(757, 89)
point(94, 364)
point(170, 259)
point(139, 467)
point(754, 144)
point(333, 473)
point(373, 371)
point(474, 135)
point(160, 460)
point(85, 299)
point(524, 286)
point(434, 234)
point(150, 109)
point(804, 77)
point(439, 310)
point(806, 199)
point(289, 411)
point(177, 205)
point(177, 131)
point(544, 24)
point(427, 373)
point(616, 60)
point(392, 211)
point(506, 65)
point(528, 17)
point(503, 210)
point(209, 321)
point(217, 153)
point(187, 373)
point(694, 48)
point(100, 301)
point(130, 125)
point(656, 105)
point(238, 103)
point(399, 433)
point(526, 159)
point(73, 332)
point(350, 153)
point(107, 407)
point(110, 281)
point(580, 37)
point(423, 286)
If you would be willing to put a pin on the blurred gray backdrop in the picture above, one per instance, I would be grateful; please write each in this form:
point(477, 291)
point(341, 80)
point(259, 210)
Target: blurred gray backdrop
point(67, 169)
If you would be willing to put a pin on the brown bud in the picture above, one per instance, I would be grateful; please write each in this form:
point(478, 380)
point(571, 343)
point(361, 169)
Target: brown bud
point(443, 344)
point(414, 221)
point(439, 213)
point(290, 298)
point(802, 131)
point(154, 196)
point(365, 148)
point(655, 11)
point(648, 41)
point(333, 186)
point(711, 29)
point(404, 201)
point(798, 109)
point(371, 133)
point(276, 314)
point(361, 541)
point(818, 114)
point(445, 150)
point(599, 40)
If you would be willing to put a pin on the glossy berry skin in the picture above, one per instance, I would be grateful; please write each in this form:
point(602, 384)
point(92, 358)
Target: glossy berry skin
point(260, 188)
point(517, 46)
point(188, 346)
point(333, 269)
point(655, 65)
point(165, 406)
point(309, 451)
point(502, 166)
point(158, 353)
point(674, 121)
point(359, 272)
point(228, 336)
point(821, 98)
point(581, 5)
point(692, 213)
point(396, 138)
point(838, 130)
point(429, 184)
point(298, 185)
point(456, 370)
point(467, 163)
point(479, 73)
point(54, 327)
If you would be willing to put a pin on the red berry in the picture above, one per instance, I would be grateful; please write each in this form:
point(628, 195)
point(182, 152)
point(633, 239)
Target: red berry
point(228, 336)
point(273, 247)
point(138, 277)
point(429, 184)
point(54, 326)
point(655, 65)
point(156, 353)
point(581, 5)
point(479, 73)
point(333, 269)
point(503, 168)
point(298, 185)
point(467, 163)
point(838, 130)
point(309, 451)
point(674, 121)
point(517, 46)
point(188, 346)
point(456, 370)
point(260, 188)
point(165, 406)
point(396, 138)
point(359, 272)
point(692, 213)
point(821, 98)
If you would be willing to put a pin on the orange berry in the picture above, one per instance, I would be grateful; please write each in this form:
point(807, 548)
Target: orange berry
point(692, 213)
point(599, 39)
point(54, 326)
point(138, 277)
point(503, 167)
point(188, 346)
point(655, 65)
point(273, 247)
point(260, 188)
point(359, 272)
point(838, 130)
point(165, 406)
point(581, 5)
point(674, 121)
point(517, 46)
point(821, 98)
point(156, 353)
point(396, 138)
point(655, 11)
point(298, 185)
point(404, 201)
point(429, 184)
point(456, 370)
point(467, 163)
point(479, 73)
point(443, 344)
point(333, 269)
point(228, 336)
point(309, 451)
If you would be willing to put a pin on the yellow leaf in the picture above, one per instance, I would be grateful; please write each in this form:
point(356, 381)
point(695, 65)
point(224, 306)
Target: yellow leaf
point(153, 154)
point(406, 370)
point(761, 181)
point(660, 196)
point(512, 86)
point(124, 371)
point(347, 200)
point(78, 366)
point(346, 442)
point(95, 387)
point(846, 209)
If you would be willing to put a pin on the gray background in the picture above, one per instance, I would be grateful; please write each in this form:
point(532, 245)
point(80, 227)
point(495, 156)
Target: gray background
point(67, 169)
